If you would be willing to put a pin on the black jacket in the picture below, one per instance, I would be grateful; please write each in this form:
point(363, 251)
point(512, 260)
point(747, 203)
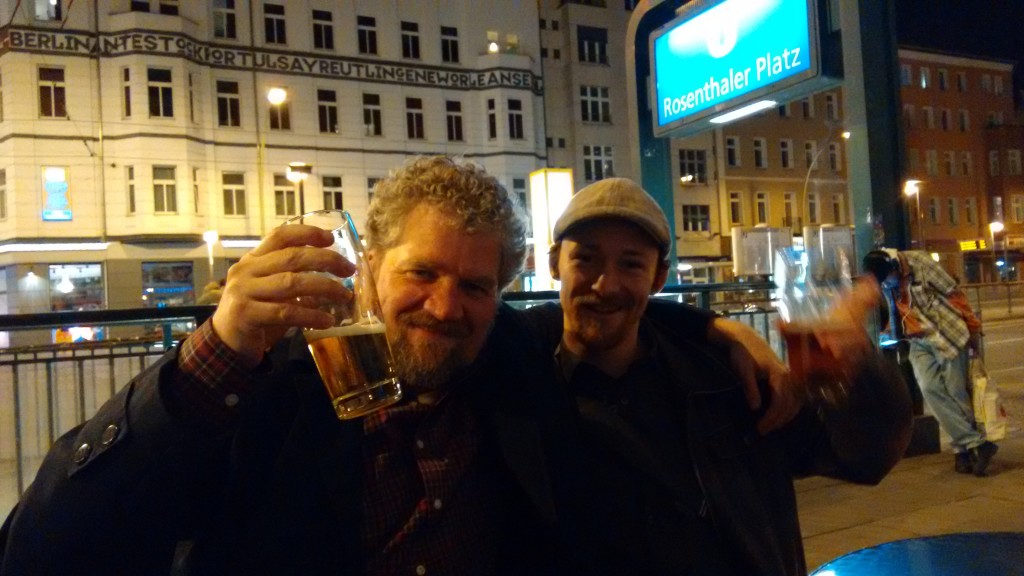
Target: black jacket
point(255, 500)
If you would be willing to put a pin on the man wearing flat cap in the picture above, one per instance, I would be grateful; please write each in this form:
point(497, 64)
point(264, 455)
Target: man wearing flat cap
point(683, 476)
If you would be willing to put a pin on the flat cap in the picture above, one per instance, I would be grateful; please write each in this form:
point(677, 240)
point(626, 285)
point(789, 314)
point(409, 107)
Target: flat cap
point(616, 198)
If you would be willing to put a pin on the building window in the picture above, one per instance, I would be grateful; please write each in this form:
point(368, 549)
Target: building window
point(784, 111)
point(913, 160)
point(414, 118)
point(949, 159)
point(929, 117)
point(273, 24)
point(761, 201)
point(945, 120)
point(993, 163)
point(126, 93)
point(786, 153)
point(323, 30)
point(233, 187)
point(48, 10)
point(735, 208)
point(332, 193)
point(168, 7)
point(411, 40)
point(931, 162)
point(837, 208)
point(595, 104)
point(971, 210)
point(986, 83)
point(906, 75)
point(195, 190)
point(191, 99)
point(453, 117)
point(492, 119)
point(812, 207)
point(224, 19)
point(961, 81)
point(934, 212)
point(834, 156)
point(1016, 208)
point(832, 106)
point(696, 218)
point(3, 193)
point(943, 79)
point(515, 119)
point(597, 163)
point(997, 85)
point(366, 33)
point(228, 104)
point(371, 183)
point(52, 99)
point(280, 116)
point(807, 107)
point(952, 211)
point(139, 6)
point(592, 44)
point(811, 154)
point(85, 293)
point(129, 178)
point(284, 196)
point(789, 209)
point(1013, 167)
point(908, 115)
point(161, 93)
point(760, 153)
point(966, 164)
point(732, 151)
point(693, 167)
point(372, 115)
point(165, 195)
point(965, 120)
point(450, 44)
point(327, 111)
point(925, 77)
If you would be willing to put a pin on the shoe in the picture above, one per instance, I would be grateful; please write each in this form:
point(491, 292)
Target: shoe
point(982, 456)
point(962, 463)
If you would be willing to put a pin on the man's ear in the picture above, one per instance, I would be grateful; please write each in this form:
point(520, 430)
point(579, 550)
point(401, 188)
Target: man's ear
point(660, 277)
point(556, 249)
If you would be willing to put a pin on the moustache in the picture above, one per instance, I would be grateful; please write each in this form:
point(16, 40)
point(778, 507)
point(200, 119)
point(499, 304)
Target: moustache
point(424, 320)
point(595, 301)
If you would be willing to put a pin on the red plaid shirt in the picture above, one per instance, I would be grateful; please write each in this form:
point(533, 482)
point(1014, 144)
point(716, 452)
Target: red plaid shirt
point(428, 504)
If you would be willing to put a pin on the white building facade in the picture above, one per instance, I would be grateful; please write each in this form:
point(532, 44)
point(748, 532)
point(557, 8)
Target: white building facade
point(130, 129)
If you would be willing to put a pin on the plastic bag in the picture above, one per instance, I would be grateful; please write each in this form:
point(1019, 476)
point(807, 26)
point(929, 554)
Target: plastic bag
point(989, 412)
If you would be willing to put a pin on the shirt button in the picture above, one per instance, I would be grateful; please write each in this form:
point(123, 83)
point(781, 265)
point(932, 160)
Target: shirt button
point(421, 570)
point(437, 504)
point(420, 444)
point(82, 454)
point(109, 435)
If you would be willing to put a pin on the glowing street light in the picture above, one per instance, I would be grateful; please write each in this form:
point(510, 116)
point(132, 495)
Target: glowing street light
point(277, 96)
point(912, 188)
point(210, 237)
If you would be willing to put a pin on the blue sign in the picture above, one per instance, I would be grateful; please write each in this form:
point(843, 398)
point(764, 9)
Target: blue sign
point(58, 204)
point(729, 54)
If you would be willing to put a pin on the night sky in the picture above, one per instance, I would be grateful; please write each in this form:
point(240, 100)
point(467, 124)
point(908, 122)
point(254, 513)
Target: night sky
point(993, 28)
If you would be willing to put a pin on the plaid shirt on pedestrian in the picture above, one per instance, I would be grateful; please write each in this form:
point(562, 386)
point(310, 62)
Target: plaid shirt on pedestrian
point(925, 306)
point(428, 505)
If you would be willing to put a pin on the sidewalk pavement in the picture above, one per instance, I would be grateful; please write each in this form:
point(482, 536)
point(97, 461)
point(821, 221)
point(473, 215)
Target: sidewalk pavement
point(922, 496)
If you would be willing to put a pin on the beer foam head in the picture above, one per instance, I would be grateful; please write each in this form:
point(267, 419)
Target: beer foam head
point(346, 331)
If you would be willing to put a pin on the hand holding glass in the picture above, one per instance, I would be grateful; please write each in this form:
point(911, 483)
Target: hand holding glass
point(353, 357)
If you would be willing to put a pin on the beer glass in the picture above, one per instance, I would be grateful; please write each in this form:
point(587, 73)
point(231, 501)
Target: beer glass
point(353, 357)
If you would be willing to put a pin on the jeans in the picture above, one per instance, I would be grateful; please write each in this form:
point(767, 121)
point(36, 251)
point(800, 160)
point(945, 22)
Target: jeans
point(943, 384)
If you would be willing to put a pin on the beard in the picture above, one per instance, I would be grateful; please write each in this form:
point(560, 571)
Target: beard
point(597, 331)
point(429, 365)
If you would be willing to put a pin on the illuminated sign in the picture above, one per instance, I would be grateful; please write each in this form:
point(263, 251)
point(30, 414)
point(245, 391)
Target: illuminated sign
point(717, 56)
point(56, 197)
point(970, 245)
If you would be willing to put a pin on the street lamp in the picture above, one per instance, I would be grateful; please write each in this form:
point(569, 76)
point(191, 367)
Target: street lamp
point(210, 237)
point(275, 96)
point(821, 146)
point(913, 188)
point(995, 227)
point(297, 174)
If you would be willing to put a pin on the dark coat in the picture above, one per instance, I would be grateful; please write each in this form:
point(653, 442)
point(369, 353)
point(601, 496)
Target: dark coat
point(266, 498)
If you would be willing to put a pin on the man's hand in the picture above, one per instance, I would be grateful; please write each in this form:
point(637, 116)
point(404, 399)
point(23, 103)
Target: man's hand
point(271, 289)
point(753, 360)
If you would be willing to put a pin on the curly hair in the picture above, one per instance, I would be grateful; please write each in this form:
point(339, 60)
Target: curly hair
point(473, 200)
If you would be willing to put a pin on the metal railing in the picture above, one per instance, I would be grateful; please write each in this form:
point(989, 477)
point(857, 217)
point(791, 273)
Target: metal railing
point(47, 389)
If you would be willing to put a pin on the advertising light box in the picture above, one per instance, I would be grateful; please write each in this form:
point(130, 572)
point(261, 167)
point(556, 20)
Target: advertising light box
point(717, 56)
